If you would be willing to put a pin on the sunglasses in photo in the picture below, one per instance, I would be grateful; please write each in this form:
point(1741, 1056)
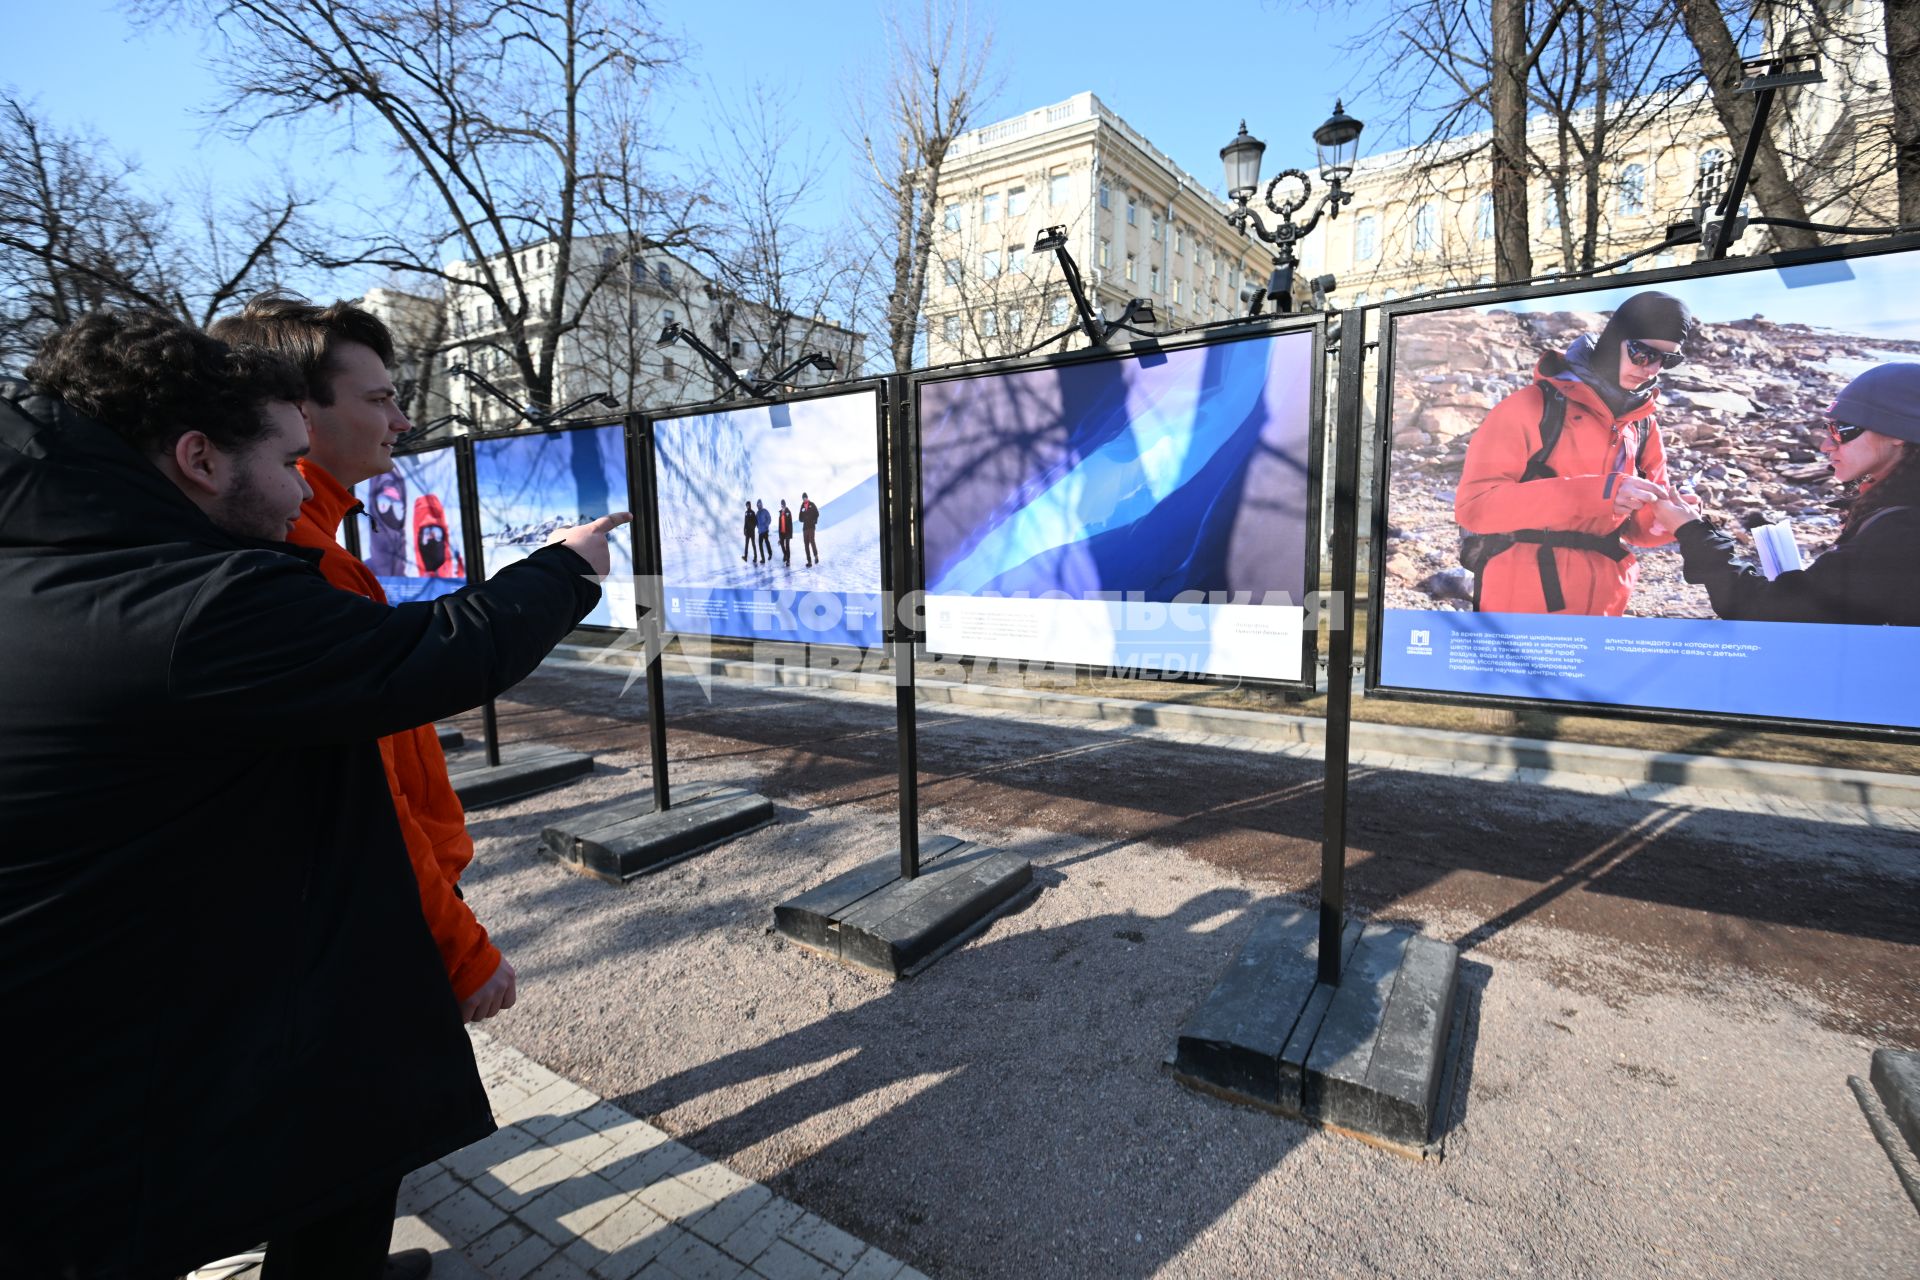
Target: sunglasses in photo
point(1643, 355)
point(1840, 432)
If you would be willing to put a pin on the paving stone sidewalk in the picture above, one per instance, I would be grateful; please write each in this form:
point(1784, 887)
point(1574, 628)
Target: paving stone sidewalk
point(573, 1188)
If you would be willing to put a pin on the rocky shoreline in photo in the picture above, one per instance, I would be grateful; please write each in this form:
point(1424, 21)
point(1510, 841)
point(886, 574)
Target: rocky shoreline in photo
point(1741, 420)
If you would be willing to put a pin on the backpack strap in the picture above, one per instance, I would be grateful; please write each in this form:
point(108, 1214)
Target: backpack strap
point(1553, 420)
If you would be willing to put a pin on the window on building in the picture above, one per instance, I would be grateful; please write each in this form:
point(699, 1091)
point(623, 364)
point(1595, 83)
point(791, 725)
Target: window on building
point(669, 369)
point(1016, 201)
point(950, 330)
point(1233, 277)
point(1359, 299)
point(1153, 279)
point(607, 254)
point(1712, 184)
point(1058, 312)
point(1213, 261)
point(990, 323)
point(736, 349)
point(1550, 211)
point(1016, 320)
point(1483, 278)
point(950, 217)
point(1179, 239)
point(950, 270)
point(990, 207)
point(1128, 272)
point(1154, 227)
point(1133, 213)
point(1483, 218)
point(1176, 290)
point(1056, 189)
point(1016, 258)
point(990, 263)
point(1426, 228)
point(1106, 197)
point(664, 274)
point(1106, 254)
point(1366, 238)
point(667, 318)
point(1389, 295)
point(1633, 191)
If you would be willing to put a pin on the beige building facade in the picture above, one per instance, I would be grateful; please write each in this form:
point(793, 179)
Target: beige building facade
point(1138, 226)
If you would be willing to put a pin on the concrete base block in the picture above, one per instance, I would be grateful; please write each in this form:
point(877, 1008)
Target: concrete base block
point(1896, 1078)
point(1366, 1056)
point(871, 918)
point(525, 769)
point(618, 842)
point(451, 739)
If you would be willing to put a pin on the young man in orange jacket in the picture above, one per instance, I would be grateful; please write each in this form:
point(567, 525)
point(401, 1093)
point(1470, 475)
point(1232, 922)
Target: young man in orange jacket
point(354, 418)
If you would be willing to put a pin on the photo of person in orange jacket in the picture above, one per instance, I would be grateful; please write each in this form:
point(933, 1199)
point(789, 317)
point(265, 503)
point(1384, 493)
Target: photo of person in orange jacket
point(354, 420)
point(433, 552)
point(1559, 530)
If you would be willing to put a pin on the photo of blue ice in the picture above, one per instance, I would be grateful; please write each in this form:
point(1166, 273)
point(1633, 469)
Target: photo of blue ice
point(1183, 471)
point(411, 531)
point(529, 486)
point(710, 466)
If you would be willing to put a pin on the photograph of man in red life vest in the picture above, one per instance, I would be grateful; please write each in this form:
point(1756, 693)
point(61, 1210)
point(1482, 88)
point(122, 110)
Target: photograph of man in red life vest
point(1559, 479)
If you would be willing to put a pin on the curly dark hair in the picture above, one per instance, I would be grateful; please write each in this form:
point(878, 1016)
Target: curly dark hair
point(1899, 487)
point(307, 334)
point(151, 379)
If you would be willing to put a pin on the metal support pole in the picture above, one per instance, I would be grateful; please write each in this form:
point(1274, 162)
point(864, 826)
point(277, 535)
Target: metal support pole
point(903, 582)
point(1346, 532)
point(464, 468)
point(653, 625)
point(1737, 189)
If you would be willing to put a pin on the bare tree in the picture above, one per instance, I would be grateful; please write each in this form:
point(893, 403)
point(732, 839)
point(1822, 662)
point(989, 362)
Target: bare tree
point(936, 81)
point(1720, 62)
point(77, 232)
point(496, 115)
point(1903, 83)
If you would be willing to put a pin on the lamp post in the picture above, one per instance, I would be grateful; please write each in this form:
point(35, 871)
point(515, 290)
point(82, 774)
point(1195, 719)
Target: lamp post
point(1337, 141)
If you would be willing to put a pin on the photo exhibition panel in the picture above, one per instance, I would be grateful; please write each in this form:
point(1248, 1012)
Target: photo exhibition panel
point(1698, 494)
point(770, 521)
point(1146, 513)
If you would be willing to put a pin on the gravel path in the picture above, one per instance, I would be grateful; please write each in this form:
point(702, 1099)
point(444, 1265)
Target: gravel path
point(1664, 1005)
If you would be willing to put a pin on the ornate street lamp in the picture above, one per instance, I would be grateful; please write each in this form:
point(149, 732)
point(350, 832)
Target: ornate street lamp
point(1337, 141)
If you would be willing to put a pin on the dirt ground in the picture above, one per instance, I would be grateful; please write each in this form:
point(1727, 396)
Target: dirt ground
point(1663, 1002)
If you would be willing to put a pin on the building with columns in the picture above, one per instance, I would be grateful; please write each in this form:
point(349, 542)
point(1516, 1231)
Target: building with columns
point(1138, 226)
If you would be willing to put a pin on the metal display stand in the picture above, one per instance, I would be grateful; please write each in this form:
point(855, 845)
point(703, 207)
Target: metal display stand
point(1333, 1022)
point(895, 916)
point(630, 838)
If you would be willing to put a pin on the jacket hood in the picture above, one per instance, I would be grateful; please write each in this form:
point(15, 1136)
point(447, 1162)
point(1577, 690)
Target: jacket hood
point(1555, 368)
point(67, 480)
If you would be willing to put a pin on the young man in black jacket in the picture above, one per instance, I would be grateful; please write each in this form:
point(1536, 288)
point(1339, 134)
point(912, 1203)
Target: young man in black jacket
point(233, 1023)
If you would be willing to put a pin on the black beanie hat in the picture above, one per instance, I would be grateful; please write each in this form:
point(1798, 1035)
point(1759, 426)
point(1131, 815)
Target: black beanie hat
point(1652, 314)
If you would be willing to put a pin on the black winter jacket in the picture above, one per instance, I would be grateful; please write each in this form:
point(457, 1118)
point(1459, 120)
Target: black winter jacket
point(1866, 578)
point(223, 1013)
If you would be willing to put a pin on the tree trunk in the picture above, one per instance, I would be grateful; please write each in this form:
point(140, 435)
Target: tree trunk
point(1513, 256)
point(1772, 189)
point(1903, 84)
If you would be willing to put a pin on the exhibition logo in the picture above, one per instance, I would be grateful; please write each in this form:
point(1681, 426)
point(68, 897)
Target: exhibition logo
point(1420, 642)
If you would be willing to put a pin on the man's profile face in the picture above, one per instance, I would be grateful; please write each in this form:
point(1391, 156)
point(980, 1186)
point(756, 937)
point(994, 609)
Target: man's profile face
point(353, 437)
point(264, 487)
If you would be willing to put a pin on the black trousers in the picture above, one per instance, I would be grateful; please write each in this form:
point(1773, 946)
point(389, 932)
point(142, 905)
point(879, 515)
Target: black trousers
point(349, 1244)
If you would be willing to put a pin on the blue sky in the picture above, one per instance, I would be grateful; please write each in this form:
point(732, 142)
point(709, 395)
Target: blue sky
point(1184, 78)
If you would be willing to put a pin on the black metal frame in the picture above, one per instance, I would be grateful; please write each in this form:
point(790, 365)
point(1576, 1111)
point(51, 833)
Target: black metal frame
point(1383, 475)
point(878, 387)
point(1244, 330)
point(576, 424)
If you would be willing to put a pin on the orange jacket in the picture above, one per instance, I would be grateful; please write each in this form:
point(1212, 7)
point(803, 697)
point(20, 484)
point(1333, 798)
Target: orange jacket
point(1594, 449)
point(431, 819)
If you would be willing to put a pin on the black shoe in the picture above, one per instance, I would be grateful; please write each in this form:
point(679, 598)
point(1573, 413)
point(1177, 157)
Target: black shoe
point(408, 1264)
